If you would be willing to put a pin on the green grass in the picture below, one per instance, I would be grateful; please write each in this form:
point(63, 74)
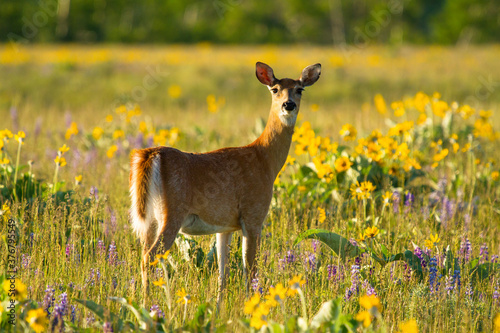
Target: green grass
point(53, 92)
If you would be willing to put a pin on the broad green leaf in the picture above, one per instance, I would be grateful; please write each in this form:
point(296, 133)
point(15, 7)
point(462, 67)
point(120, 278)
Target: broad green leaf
point(143, 319)
point(340, 245)
point(101, 312)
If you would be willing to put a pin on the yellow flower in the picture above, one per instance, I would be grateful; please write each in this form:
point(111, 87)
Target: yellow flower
point(302, 188)
point(97, 133)
point(63, 149)
point(364, 317)
point(121, 109)
point(163, 256)
point(409, 326)
point(174, 91)
point(6, 135)
point(17, 287)
point(380, 104)
point(348, 132)
point(361, 237)
point(399, 108)
point(314, 107)
point(118, 134)
point(111, 151)
point(214, 103)
point(78, 180)
point(160, 282)
point(387, 198)
point(441, 155)
point(183, 296)
point(251, 304)
point(72, 130)
point(430, 243)
point(495, 175)
point(276, 295)
point(342, 164)
point(371, 232)
point(496, 323)
point(322, 215)
point(109, 118)
point(61, 161)
point(37, 319)
point(143, 127)
point(295, 283)
point(4, 161)
point(155, 262)
point(19, 137)
point(6, 210)
point(259, 317)
point(370, 302)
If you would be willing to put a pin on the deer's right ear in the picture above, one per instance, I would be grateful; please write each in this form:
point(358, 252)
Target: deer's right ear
point(265, 74)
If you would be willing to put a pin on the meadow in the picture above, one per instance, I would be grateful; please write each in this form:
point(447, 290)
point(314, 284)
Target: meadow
point(385, 217)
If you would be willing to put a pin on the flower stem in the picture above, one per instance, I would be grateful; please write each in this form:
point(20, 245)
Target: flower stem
point(17, 166)
point(55, 179)
point(167, 287)
point(303, 301)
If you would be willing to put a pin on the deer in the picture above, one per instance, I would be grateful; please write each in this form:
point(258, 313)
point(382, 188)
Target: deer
point(217, 192)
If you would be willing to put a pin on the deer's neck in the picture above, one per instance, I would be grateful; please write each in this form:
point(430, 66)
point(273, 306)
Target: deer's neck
point(274, 142)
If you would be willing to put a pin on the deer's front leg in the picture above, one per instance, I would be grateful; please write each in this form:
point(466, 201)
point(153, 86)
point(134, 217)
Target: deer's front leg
point(251, 242)
point(223, 242)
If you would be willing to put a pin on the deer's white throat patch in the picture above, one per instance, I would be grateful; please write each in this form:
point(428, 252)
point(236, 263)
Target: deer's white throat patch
point(288, 118)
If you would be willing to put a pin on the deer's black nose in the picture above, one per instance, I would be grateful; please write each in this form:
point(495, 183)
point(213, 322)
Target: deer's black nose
point(289, 105)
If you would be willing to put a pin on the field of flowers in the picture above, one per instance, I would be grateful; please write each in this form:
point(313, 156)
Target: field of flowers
point(385, 217)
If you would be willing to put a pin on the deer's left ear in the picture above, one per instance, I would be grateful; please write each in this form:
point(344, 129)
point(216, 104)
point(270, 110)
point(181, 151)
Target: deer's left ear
point(265, 74)
point(310, 74)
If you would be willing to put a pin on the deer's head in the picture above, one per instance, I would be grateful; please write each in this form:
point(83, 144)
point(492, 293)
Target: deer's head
point(286, 93)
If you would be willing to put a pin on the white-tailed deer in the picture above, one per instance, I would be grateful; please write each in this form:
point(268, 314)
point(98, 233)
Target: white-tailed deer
point(218, 192)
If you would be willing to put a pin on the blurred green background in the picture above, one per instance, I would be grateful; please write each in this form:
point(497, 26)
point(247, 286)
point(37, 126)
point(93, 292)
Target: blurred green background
point(258, 21)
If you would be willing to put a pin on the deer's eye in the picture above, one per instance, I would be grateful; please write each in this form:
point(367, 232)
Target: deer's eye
point(299, 91)
point(274, 90)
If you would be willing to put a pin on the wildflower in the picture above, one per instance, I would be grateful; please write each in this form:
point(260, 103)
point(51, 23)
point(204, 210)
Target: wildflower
point(183, 296)
point(362, 191)
point(380, 104)
point(496, 323)
point(483, 253)
point(495, 175)
point(72, 130)
point(433, 275)
point(109, 118)
point(113, 255)
point(97, 133)
point(387, 198)
point(370, 302)
point(399, 108)
point(174, 91)
point(37, 319)
point(121, 109)
point(162, 257)
point(156, 312)
point(161, 282)
point(430, 243)
point(251, 304)
point(348, 132)
point(5, 212)
point(342, 164)
point(409, 326)
point(111, 151)
point(154, 263)
point(78, 180)
point(420, 255)
point(60, 161)
point(332, 271)
point(276, 295)
point(371, 232)
point(259, 317)
point(4, 161)
point(19, 137)
point(107, 327)
point(314, 107)
point(354, 289)
point(214, 103)
point(361, 238)
point(322, 215)
point(295, 283)
point(63, 150)
point(20, 291)
point(48, 299)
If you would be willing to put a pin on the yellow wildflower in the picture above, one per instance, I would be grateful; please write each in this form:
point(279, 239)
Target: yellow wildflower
point(118, 134)
point(111, 151)
point(19, 289)
point(361, 238)
point(430, 243)
point(19, 137)
point(364, 317)
point(37, 319)
point(380, 104)
point(495, 175)
point(314, 107)
point(387, 197)
point(78, 180)
point(295, 283)
point(109, 118)
point(160, 282)
point(251, 304)
point(183, 296)
point(399, 108)
point(348, 132)
point(4, 161)
point(342, 164)
point(154, 263)
point(409, 326)
point(322, 215)
point(63, 149)
point(97, 133)
point(164, 256)
point(369, 302)
point(276, 295)
point(259, 317)
point(72, 130)
point(61, 161)
point(371, 232)
point(174, 91)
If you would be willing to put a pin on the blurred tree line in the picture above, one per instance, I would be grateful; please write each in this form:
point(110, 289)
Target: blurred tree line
point(257, 21)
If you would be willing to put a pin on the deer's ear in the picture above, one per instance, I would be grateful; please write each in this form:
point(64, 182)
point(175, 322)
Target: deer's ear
point(264, 74)
point(310, 74)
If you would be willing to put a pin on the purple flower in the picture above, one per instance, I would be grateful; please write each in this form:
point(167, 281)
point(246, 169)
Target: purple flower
point(465, 250)
point(483, 253)
point(418, 252)
point(354, 288)
point(332, 272)
point(113, 254)
point(48, 299)
point(107, 327)
point(311, 261)
point(94, 192)
point(369, 289)
point(157, 311)
point(469, 292)
point(396, 200)
point(25, 261)
point(94, 277)
point(290, 257)
point(281, 264)
point(315, 244)
point(409, 199)
point(101, 248)
point(69, 250)
point(494, 259)
point(432, 275)
point(60, 310)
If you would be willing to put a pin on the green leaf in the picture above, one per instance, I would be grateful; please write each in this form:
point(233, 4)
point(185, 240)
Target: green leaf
point(340, 245)
point(385, 251)
point(142, 317)
point(414, 262)
point(101, 312)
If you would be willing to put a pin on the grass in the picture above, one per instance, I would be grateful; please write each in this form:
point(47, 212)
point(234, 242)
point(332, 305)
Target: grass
point(67, 242)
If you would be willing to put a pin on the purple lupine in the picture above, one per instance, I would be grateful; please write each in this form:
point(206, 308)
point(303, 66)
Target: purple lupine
point(465, 250)
point(310, 261)
point(101, 248)
point(496, 295)
point(315, 244)
point(48, 299)
point(469, 291)
point(107, 327)
point(353, 242)
point(433, 274)
point(94, 277)
point(157, 312)
point(113, 254)
point(255, 286)
point(281, 264)
point(420, 255)
point(94, 192)
point(73, 314)
point(483, 253)
point(467, 221)
point(354, 288)
point(90, 319)
point(409, 199)
point(25, 261)
point(332, 272)
point(494, 259)
point(290, 257)
point(138, 141)
point(114, 282)
point(396, 200)
point(60, 310)
point(369, 289)
point(69, 250)
point(150, 140)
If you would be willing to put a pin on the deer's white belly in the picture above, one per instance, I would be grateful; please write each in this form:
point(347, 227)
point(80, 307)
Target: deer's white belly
point(194, 225)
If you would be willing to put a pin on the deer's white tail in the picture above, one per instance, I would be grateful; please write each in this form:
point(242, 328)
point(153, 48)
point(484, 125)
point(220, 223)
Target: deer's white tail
point(145, 190)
